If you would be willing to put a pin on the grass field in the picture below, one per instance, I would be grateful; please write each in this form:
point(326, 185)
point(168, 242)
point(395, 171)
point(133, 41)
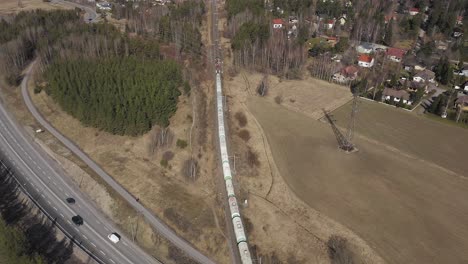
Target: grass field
point(11, 6)
point(407, 209)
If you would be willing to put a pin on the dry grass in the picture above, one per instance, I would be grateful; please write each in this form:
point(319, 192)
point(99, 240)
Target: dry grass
point(11, 6)
point(406, 208)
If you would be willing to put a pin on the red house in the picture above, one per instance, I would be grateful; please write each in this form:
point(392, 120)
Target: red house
point(395, 54)
point(278, 23)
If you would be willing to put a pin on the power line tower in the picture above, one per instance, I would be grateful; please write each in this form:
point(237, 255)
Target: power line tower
point(345, 141)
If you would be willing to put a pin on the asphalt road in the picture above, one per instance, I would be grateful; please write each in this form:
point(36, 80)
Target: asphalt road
point(154, 221)
point(45, 181)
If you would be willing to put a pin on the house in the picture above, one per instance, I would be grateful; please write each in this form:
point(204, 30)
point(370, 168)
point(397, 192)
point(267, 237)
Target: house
point(365, 61)
point(293, 20)
point(395, 54)
point(462, 72)
point(332, 41)
point(329, 24)
point(441, 45)
point(413, 11)
point(348, 73)
point(104, 6)
point(365, 47)
point(342, 19)
point(462, 102)
point(457, 32)
point(465, 87)
point(278, 23)
point(424, 76)
point(396, 95)
point(459, 20)
point(389, 18)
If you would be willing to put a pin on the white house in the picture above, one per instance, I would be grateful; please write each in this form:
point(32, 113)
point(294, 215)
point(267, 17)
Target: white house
point(278, 23)
point(413, 11)
point(365, 61)
point(104, 5)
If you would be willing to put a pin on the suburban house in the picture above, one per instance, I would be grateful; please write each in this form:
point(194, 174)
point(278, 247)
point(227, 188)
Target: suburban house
point(395, 54)
point(293, 20)
point(460, 20)
point(413, 11)
point(462, 72)
point(397, 95)
point(278, 23)
point(462, 102)
point(329, 24)
point(104, 6)
point(365, 61)
point(332, 41)
point(389, 18)
point(424, 76)
point(465, 87)
point(348, 73)
point(342, 19)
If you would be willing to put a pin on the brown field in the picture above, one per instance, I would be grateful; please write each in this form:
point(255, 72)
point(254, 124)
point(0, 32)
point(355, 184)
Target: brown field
point(11, 6)
point(407, 209)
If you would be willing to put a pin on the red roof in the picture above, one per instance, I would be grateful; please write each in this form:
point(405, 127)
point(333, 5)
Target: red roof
point(278, 21)
point(414, 9)
point(349, 70)
point(330, 22)
point(459, 18)
point(396, 52)
point(365, 58)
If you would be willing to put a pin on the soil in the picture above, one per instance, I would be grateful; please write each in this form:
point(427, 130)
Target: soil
point(404, 207)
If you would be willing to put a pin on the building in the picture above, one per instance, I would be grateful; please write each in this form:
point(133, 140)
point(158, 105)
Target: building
point(396, 95)
point(459, 20)
point(462, 102)
point(104, 6)
point(365, 47)
point(278, 23)
point(424, 76)
point(329, 24)
point(395, 54)
point(413, 11)
point(365, 61)
point(348, 73)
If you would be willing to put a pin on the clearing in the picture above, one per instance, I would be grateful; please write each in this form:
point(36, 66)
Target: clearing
point(11, 6)
point(406, 208)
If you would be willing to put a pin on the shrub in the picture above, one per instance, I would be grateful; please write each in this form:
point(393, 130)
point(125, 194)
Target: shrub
point(241, 119)
point(164, 163)
point(37, 90)
point(244, 134)
point(339, 251)
point(278, 99)
point(181, 143)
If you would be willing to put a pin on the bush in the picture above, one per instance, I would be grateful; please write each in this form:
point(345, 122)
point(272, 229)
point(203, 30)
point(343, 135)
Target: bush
point(241, 119)
point(339, 251)
point(278, 99)
point(168, 155)
point(244, 134)
point(181, 143)
point(164, 163)
point(37, 90)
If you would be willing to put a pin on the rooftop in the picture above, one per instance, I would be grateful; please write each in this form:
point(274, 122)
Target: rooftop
point(365, 58)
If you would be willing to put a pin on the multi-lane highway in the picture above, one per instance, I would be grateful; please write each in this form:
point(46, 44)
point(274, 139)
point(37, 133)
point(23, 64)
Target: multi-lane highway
point(45, 181)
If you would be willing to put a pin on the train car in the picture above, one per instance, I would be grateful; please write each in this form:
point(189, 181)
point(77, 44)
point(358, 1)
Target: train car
point(229, 188)
point(244, 253)
point(227, 170)
point(233, 207)
point(239, 230)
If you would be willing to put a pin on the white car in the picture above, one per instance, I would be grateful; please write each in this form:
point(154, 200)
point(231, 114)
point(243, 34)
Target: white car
point(114, 237)
point(39, 130)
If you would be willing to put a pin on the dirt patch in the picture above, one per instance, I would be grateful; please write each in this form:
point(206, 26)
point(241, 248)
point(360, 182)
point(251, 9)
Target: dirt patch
point(406, 209)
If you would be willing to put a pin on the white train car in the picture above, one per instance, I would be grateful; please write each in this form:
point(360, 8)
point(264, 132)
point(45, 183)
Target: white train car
point(239, 230)
point(233, 207)
point(244, 253)
point(229, 188)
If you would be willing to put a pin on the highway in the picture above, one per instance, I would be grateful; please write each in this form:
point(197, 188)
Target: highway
point(45, 181)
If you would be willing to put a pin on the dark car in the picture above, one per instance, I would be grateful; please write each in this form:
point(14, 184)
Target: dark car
point(78, 220)
point(70, 200)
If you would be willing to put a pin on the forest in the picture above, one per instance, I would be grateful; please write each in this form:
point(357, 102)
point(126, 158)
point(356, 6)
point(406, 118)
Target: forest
point(103, 77)
point(119, 95)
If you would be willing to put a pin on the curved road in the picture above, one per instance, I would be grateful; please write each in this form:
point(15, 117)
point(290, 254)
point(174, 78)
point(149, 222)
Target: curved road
point(40, 176)
point(154, 221)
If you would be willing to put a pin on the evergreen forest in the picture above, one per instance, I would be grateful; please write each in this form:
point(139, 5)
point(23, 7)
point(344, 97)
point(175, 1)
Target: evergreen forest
point(119, 95)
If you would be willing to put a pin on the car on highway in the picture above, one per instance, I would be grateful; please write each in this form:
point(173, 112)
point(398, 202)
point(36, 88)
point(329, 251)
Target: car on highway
point(78, 220)
point(70, 200)
point(114, 237)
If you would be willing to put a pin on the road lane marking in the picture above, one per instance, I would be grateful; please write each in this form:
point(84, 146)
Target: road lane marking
point(111, 261)
point(62, 216)
point(55, 209)
point(125, 243)
point(93, 244)
point(42, 195)
point(107, 229)
point(85, 237)
point(76, 229)
point(48, 202)
point(48, 177)
point(66, 194)
point(54, 183)
point(102, 252)
point(68, 221)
